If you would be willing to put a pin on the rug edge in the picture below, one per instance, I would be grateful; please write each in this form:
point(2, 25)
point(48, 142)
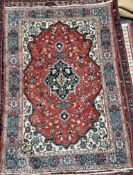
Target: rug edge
point(2, 76)
point(128, 88)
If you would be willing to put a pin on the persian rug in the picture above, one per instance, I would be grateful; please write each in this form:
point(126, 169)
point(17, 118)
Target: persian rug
point(128, 38)
point(66, 89)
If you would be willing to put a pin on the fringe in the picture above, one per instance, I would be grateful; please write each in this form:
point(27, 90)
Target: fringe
point(50, 2)
point(125, 171)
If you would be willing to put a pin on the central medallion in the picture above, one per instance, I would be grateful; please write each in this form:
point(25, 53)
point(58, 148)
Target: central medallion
point(61, 79)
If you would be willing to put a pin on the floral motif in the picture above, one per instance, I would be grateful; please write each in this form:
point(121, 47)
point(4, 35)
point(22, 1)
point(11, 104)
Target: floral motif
point(41, 79)
point(43, 153)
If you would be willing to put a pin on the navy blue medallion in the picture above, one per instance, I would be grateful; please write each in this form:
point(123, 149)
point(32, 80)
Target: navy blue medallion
point(61, 79)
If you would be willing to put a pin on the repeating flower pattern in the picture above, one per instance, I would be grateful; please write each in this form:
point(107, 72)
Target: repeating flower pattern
point(41, 79)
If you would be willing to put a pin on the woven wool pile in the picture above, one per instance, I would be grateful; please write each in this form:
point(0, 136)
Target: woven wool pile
point(66, 97)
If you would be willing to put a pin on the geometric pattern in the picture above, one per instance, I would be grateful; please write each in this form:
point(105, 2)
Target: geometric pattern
point(129, 45)
point(61, 79)
point(64, 115)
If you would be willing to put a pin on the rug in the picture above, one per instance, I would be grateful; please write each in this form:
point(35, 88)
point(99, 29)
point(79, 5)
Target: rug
point(66, 99)
point(128, 37)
